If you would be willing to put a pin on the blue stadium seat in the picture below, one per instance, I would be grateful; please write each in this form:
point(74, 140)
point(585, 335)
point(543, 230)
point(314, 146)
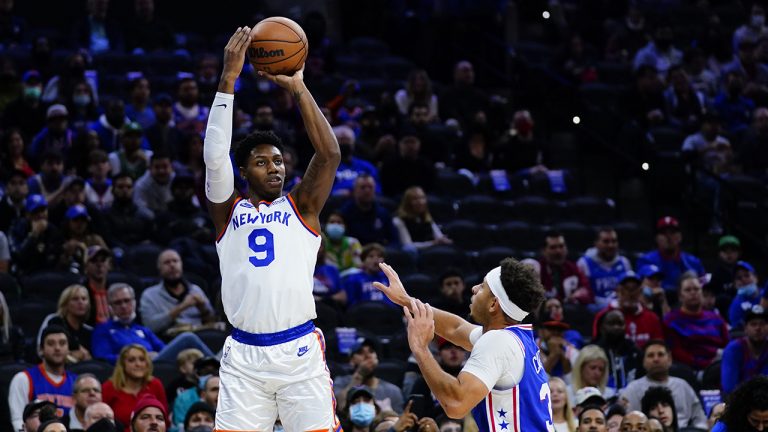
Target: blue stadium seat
point(535, 209)
point(466, 234)
point(422, 286)
point(9, 287)
point(589, 210)
point(521, 235)
point(578, 236)
point(491, 257)
point(392, 370)
point(378, 318)
point(47, 285)
point(485, 209)
point(453, 185)
point(404, 262)
point(436, 259)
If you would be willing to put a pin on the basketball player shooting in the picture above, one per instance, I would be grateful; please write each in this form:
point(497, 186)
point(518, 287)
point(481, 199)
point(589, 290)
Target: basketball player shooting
point(273, 362)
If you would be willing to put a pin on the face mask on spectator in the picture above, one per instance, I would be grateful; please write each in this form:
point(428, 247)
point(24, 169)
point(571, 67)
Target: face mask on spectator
point(748, 290)
point(81, 100)
point(335, 231)
point(32, 93)
point(362, 413)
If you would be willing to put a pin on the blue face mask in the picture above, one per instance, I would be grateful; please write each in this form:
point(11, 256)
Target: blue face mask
point(335, 231)
point(647, 291)
point(748, 290)
point(362, 413)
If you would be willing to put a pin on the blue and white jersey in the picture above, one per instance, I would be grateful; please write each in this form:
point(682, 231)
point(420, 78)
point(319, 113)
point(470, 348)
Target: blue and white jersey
point(603, 277)
point(267, 256)
point(508, 362)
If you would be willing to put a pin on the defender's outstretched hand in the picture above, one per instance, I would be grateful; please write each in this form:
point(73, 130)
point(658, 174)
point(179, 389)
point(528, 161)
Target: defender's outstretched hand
point(234, 52)
point(395, 291)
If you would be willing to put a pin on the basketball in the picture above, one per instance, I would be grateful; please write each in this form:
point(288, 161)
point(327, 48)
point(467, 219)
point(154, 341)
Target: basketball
point(278, 46)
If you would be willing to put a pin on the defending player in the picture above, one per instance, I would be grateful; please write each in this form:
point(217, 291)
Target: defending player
point(273, 363)
point(503, 383)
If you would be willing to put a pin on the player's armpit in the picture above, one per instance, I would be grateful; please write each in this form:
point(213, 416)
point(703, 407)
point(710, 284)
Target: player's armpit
point(471, 390)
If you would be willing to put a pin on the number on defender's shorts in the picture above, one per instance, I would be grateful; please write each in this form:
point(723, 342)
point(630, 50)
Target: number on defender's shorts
point(262, 243)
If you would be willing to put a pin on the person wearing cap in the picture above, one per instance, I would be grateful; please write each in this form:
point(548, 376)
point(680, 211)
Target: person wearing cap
point(110, 337)
point(364, 360)
point(126, 223)
point(729, 253)
point(98, 264)
point(33, 411)
point(152, 190)
point(585, 397)
point(623, 354)
point(72, 194)
point(109, 124)
point(162, 134)
point(26, 112)
point(35, 243)
point(657, 362)
point(696, 336)
point(47, 380)
point(495, 372)
point(199, 416)
point(56, 135)
point(669, 257)
point(12, 203)
point(642, 325)
point(747, 293)
point(557, 353)
point(603, 266)
point(130, 158)
point(138, 108)
point(51, 180)
point(746, 356)
point(560, 277)
point(148, 415)
point(359, 410)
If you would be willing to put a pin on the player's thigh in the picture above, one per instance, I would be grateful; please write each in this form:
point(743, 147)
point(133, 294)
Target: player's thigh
point(308, 405)
point(244, 405)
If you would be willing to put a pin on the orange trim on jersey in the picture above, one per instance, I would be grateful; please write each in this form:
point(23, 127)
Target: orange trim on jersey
point(229, 219)
point(31, 386)
point(48, 378)
point(301, 219)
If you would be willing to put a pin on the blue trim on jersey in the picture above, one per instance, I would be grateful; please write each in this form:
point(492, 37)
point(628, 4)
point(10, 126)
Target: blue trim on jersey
point(269, 339)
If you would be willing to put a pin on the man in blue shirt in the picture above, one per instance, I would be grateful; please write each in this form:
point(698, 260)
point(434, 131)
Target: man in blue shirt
point(669, 257)
point(366, 219)
point(603, 266)
point(359, 286)
point(109, 338)
point(747, 293)
point(350, 166)
point(746, 356)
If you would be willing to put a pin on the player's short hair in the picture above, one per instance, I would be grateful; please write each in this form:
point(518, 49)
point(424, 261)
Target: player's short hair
point(370, 247)
point(522, 285)
point(253, 140)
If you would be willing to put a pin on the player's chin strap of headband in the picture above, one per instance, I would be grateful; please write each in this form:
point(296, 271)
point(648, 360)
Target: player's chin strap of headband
point(512, 310)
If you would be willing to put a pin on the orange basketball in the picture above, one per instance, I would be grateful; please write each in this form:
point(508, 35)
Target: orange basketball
point(279, 46)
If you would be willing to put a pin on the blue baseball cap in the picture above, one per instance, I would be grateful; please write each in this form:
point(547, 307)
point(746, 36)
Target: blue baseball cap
point(746, 266)
point(649, 270)
point(629, 275)
point(77, 211)
point(35, 202)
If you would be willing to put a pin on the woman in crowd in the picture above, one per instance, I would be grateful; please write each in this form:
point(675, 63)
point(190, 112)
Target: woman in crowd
point(72, 313)
point(414, 223)
point(12, 153)
point(418, 89)
point(341, 250)
point(562, 414)
point(131, 379)
point(591, 370)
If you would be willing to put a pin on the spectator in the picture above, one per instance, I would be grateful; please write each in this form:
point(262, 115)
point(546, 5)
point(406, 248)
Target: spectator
point(148, 32)
point(463, 99)
point(341, 250)
point(5, 253)
point(592, 419)
point(408, 169)
point(204, 368)
point(264, 120)
point(654, 296)
point(562, 414)
point(126, 223)
point(754, 148)
point(474, 156)
point(72, 314)
point(659, 52)
point(634, 421)
point(418, 88)
point(72, 194)
point(585, 397)
point(131, 382)
point(27, 112)
point(12, 203)
point(603, 266)
point(11, 336)
point(729, 252)
point(747, 356)
point(733, 107)
point(162, 134)
point(614, 415)
point(327, 282)
point(591, 370)
point(451, 359)
point(746, 407)
point(35, 243)
point(657, 362)
point(208, 395)
point(12, 151)
point(695, 336)
point(77, 229)
point(669, 257)
point(138, 109)
point(174, 304)
point(553, 308)
point(59, 86)
point(350, 167)
point(51, 180)
point(149, 414)
point(81, 104)
point(123, 330)
point(186, 377)
point(110, 123)
point(747, 293)
point(623, 354)
point(35, 410)
point(359, 286)
point(702, 79)
point(364, 362)
point(453, 297)
point(153, 189)
point(199, 414)
point(97, 32)
point(129, 158)
point(184, 219)
point(366, 219)
point(98, 263)
point(753, 29)
point(521, 152)
point(292, 173)
point(98, 187)
point(359, 410)
point(560, 277)
point(48, 380)
point(658, 402)
point(54, 425)
point(414, 223)
point(190, 163)
point(557, 354)
point(96, 412)
point(87, 392)
point(644, 103)
point(642, 325)
point(188, 114)
point(747, 63)
point(685, 105)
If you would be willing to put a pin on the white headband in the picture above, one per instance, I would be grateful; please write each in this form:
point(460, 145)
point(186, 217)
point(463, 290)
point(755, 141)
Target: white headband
point(512, 310)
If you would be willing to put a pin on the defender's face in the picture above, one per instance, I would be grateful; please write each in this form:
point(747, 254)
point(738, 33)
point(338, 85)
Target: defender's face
point(265, 172)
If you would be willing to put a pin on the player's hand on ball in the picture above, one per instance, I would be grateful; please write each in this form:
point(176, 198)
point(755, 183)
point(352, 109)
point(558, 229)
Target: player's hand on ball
point(421, 324)
point(292, 83)
point(395, 291)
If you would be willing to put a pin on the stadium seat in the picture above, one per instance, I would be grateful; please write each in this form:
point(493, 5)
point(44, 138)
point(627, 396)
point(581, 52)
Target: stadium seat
point(29, 314)
point(368, 46)
point(7, 372)
point(47, 285)
point(378, 318)
point(141, 259)
point(442, 210)
point(589, 210)
point(392, 370)
point(666, 139)
point(100, 368)
point(9, 287)
point(466, 234)
point(436, 259)
point(213, 338)
point(533, 53)
point(521, 235)
point(403, 262)
point(128, 278)
point(614, 73)
point(491, 257)
point(398, 347)
point(452, 185)
point(535, 209)
point(605, 96)
point(421, 285)
point(167, 372)
point(485, 209)
point(339, 368)
point(633, 237)
point(578, 236)
point(327, 317)
point(393, 67)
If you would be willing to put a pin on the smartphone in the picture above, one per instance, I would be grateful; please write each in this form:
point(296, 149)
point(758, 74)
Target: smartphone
point(419, 405)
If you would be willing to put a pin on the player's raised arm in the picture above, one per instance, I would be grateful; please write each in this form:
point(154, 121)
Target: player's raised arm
point(310, 195)
point(219, 176)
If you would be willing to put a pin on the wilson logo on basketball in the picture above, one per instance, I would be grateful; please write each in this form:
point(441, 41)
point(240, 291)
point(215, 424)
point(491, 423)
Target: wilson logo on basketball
point(262, 53)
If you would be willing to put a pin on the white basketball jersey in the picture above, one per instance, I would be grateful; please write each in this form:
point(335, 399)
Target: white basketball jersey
point(267, 257)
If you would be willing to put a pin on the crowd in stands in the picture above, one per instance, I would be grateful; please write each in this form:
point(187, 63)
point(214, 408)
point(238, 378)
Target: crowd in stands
point(110, 314)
